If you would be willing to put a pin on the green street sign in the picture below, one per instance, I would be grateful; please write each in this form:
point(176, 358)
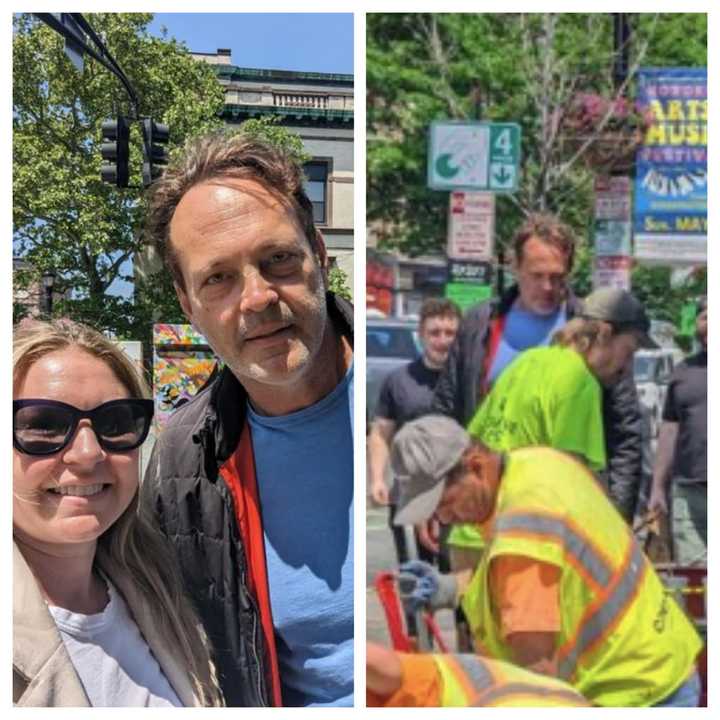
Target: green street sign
point(474, 156)
point(467, 294)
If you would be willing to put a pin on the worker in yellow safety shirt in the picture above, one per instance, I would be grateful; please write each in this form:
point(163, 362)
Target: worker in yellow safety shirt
point(396, 679)
point(563, 588)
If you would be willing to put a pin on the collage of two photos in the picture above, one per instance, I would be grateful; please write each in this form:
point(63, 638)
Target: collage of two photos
point(531, 279)
point(536, 359)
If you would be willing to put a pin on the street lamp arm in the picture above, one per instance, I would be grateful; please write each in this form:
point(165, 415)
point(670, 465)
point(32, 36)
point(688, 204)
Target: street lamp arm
point(85, 25)
point(103, 56)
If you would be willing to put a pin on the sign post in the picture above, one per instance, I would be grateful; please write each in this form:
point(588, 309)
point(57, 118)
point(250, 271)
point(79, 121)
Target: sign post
point(473, 161)
point(612, 264)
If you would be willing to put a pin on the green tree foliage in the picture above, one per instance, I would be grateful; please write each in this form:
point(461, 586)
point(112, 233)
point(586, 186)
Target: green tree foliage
point(338, 282)
point(498, 67)
point(267, 128)
point(65, 218)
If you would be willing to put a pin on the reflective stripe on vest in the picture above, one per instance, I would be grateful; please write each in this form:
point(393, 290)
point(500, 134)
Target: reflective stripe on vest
point(512, 691)
point(576, 545)
point(606, 613)
point(458, 689)
point(476, 670)
point(471, 680)
point(619, 588)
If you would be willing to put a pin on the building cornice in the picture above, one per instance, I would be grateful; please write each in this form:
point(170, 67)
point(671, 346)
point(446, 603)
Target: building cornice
point(326, 115)
point(234, 73)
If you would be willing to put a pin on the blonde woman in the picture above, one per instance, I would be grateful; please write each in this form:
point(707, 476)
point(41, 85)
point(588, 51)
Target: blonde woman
point(98, 615)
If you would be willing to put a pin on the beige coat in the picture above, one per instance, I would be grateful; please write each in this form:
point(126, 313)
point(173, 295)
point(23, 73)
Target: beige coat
point(43, 674)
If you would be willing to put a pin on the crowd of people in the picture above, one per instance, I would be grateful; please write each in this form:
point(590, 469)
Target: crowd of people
point(524, 467)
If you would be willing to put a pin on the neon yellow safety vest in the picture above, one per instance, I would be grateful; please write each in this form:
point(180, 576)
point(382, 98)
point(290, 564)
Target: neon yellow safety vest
point(624, 641)
point(474, 680)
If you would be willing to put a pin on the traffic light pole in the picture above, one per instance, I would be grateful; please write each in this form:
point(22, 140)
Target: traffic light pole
point(74, 28)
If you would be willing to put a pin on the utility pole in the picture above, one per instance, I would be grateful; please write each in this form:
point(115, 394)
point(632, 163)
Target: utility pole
point(500, 277)
point(612, 264)
point(621, 48)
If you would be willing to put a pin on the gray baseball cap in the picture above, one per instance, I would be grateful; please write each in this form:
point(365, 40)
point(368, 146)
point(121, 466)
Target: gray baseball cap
point(622, 310)
point(423, 453)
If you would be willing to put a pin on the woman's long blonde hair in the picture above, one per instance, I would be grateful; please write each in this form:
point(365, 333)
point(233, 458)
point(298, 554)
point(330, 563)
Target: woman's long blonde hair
point(131, 542)
point(582, 334)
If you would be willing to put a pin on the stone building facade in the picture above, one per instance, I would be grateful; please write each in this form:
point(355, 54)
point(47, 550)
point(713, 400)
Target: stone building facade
point(319, 108)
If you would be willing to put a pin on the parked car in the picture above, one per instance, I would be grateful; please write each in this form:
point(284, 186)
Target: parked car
point(390, 343)
point(652, 371)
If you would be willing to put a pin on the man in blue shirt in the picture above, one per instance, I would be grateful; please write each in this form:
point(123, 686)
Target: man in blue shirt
point(527, 315)
point(252, 480)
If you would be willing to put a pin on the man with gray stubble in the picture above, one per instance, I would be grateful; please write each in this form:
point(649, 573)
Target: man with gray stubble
point(252, 480)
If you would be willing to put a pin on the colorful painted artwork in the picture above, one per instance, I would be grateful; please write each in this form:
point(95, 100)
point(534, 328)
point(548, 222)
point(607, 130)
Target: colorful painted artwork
point(168, 334)
point(182, 364)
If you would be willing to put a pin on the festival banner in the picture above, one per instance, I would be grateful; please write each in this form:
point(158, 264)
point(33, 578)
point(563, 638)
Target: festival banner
point(670, 220)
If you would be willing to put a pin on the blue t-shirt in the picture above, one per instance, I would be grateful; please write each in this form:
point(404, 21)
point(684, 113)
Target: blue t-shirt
point(304, 466)
point(523, 330)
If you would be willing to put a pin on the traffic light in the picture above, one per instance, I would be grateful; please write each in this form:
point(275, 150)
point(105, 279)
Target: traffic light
point(155, 137)
point(116, 149)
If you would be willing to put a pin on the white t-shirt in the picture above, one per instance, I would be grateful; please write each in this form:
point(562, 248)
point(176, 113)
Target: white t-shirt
point(115, 664)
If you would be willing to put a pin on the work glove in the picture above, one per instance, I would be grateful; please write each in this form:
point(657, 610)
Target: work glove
point(422, 585)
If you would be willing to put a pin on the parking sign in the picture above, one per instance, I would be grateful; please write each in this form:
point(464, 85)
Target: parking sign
point(474, 156)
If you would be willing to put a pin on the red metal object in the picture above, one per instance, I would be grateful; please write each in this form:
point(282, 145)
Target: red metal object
point(387, 592)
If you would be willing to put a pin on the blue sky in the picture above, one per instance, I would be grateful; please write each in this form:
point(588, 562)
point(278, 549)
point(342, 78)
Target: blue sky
point(310, 42)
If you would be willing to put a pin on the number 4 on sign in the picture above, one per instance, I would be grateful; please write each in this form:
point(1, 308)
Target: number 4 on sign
point(504, 142)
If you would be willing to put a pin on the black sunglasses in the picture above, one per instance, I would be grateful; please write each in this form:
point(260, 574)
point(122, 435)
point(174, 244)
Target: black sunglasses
point(44, 427)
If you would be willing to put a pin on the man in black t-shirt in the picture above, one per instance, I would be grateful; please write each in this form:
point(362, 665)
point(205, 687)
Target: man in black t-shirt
point(407, 394)
point(682, 454)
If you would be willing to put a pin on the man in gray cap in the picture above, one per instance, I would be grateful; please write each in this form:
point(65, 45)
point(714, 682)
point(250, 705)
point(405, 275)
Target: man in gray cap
point(554, 542)
point(682, 453)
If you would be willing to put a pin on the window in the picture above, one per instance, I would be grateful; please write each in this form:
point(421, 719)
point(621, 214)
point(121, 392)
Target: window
point(316, 173)
point(389, 341)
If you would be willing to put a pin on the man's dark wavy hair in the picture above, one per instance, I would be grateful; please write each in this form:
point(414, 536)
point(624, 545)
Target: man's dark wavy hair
point(222, 154)
point(550, 230)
